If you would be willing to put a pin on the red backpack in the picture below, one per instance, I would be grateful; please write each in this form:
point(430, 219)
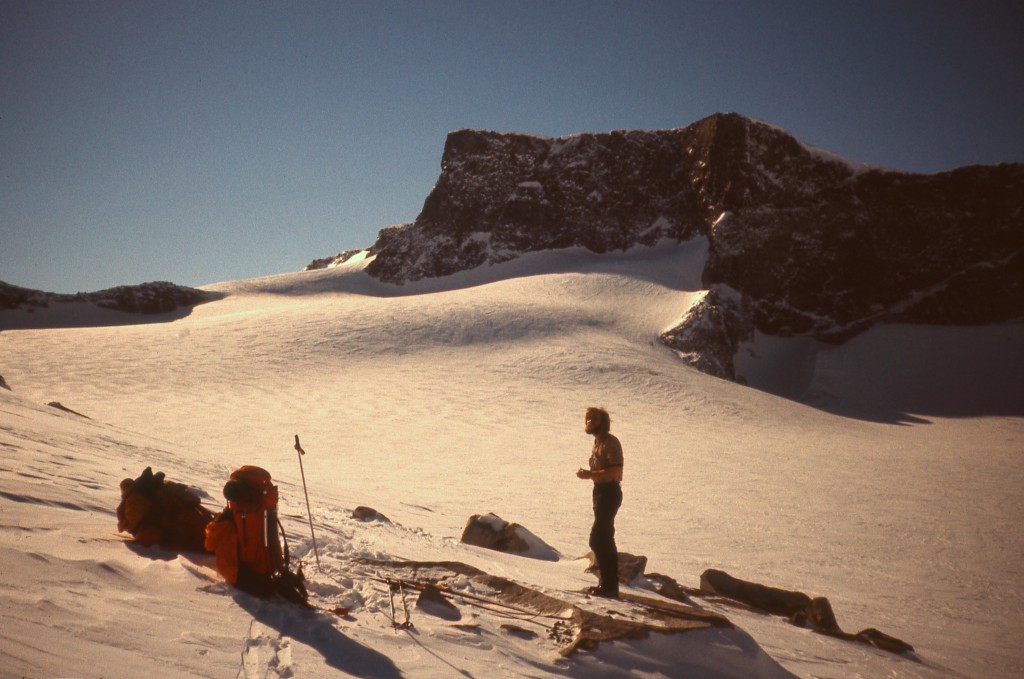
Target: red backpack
point(247, 538)
point(252, 498)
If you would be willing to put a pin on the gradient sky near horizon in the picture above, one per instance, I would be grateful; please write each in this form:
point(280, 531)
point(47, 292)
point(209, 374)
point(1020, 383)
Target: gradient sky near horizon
point(199, 142)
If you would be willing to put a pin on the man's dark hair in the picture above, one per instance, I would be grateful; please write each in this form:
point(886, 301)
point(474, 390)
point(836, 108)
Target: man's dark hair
point(604, 420)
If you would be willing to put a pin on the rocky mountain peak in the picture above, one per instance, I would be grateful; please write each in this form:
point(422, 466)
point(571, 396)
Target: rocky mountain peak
point(744, 164)
point(502, 194)
point(801, 240)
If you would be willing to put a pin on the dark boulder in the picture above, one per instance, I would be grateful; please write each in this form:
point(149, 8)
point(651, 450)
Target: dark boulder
point(492, 532)
point(367, 514)
point(631, 566)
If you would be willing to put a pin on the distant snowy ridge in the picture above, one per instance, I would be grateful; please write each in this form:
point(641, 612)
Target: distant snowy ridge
point(805, 242)
point(148, 299)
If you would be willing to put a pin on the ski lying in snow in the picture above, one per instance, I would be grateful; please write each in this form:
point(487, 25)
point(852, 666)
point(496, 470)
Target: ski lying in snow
point(485, 603)
point(667, 608)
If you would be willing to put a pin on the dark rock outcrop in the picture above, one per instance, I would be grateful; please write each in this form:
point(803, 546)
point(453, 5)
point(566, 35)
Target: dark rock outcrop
point(153, 302)
point(712, 330)
point(60, 406)
point(945, 248)
point(148, 298)
point(669, 587)
point(801, 242)
point(631, 566)
point(367, 514)
point(800, 609)
point(769, 599)
point(501, 195)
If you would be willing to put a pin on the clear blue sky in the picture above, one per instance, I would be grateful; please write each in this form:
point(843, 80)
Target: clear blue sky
point(205, 141)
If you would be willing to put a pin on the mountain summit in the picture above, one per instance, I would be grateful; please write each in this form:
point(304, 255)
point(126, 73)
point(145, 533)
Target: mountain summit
point(801, 241)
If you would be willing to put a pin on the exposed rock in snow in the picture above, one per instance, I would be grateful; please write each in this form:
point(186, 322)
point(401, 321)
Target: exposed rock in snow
point(943, 249)
point(493, 532)
point(60, 406)
point(600, 191)
point(148, 299)
point(802, 610)
point(631, 566)
point(711, 331)
point(336, 260)
point(362, 513)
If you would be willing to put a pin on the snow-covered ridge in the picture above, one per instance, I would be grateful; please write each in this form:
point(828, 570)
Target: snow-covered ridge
point(25, 308)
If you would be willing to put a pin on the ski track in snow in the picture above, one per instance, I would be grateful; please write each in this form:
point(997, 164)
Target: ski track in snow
point(446, 399)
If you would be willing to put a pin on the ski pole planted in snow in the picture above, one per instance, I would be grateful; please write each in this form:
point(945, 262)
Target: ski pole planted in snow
point(309, 511)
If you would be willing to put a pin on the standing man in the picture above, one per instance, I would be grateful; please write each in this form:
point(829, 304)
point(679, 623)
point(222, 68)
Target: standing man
point(606, 473)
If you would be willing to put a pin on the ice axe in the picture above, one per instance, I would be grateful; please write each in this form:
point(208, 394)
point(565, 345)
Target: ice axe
point(309, 512)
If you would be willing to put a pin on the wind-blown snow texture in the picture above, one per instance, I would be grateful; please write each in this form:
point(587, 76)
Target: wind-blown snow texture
point(898, 498)
point(815, 245)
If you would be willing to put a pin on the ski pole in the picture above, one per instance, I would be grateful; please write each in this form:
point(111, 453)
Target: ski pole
point(309, 511)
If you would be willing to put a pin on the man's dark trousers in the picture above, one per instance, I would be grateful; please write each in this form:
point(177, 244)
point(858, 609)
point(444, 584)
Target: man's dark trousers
point(607, 500)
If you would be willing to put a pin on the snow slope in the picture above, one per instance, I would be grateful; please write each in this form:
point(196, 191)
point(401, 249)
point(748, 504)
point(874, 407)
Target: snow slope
point(435, 401)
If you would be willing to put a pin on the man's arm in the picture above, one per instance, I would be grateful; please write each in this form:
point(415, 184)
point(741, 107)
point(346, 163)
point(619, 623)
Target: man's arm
point(601, 475)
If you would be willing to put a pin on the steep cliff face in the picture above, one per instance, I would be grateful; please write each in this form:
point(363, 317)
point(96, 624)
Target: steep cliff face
point(801, 241)
point(500, 195)
point(944, 248)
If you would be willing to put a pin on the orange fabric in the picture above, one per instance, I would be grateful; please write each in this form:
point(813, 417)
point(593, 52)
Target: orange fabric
point(132, 512)
point(250, 543)
point(244, 536)
point(259, 546)
point(148, 535)
point(169, 515)
point(186, 529)
point(222, 540)
point(258, 479)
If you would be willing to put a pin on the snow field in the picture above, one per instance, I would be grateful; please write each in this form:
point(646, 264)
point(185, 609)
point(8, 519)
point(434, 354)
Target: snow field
point(460, 397)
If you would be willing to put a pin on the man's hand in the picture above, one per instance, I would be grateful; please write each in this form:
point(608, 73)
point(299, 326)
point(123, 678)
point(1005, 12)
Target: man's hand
point(584, 473)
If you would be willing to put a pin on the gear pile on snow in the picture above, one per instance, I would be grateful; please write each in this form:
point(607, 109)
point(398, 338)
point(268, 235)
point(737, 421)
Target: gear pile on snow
point(246, 537)
point(160, 512)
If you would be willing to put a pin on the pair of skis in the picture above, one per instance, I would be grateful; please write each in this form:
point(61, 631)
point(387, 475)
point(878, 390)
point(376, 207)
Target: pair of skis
point(398, 586)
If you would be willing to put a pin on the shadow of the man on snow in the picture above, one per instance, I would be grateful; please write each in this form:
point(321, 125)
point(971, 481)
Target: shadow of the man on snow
point(314, 629)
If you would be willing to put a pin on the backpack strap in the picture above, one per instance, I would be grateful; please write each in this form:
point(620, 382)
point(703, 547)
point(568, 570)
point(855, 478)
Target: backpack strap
point(284, 543)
